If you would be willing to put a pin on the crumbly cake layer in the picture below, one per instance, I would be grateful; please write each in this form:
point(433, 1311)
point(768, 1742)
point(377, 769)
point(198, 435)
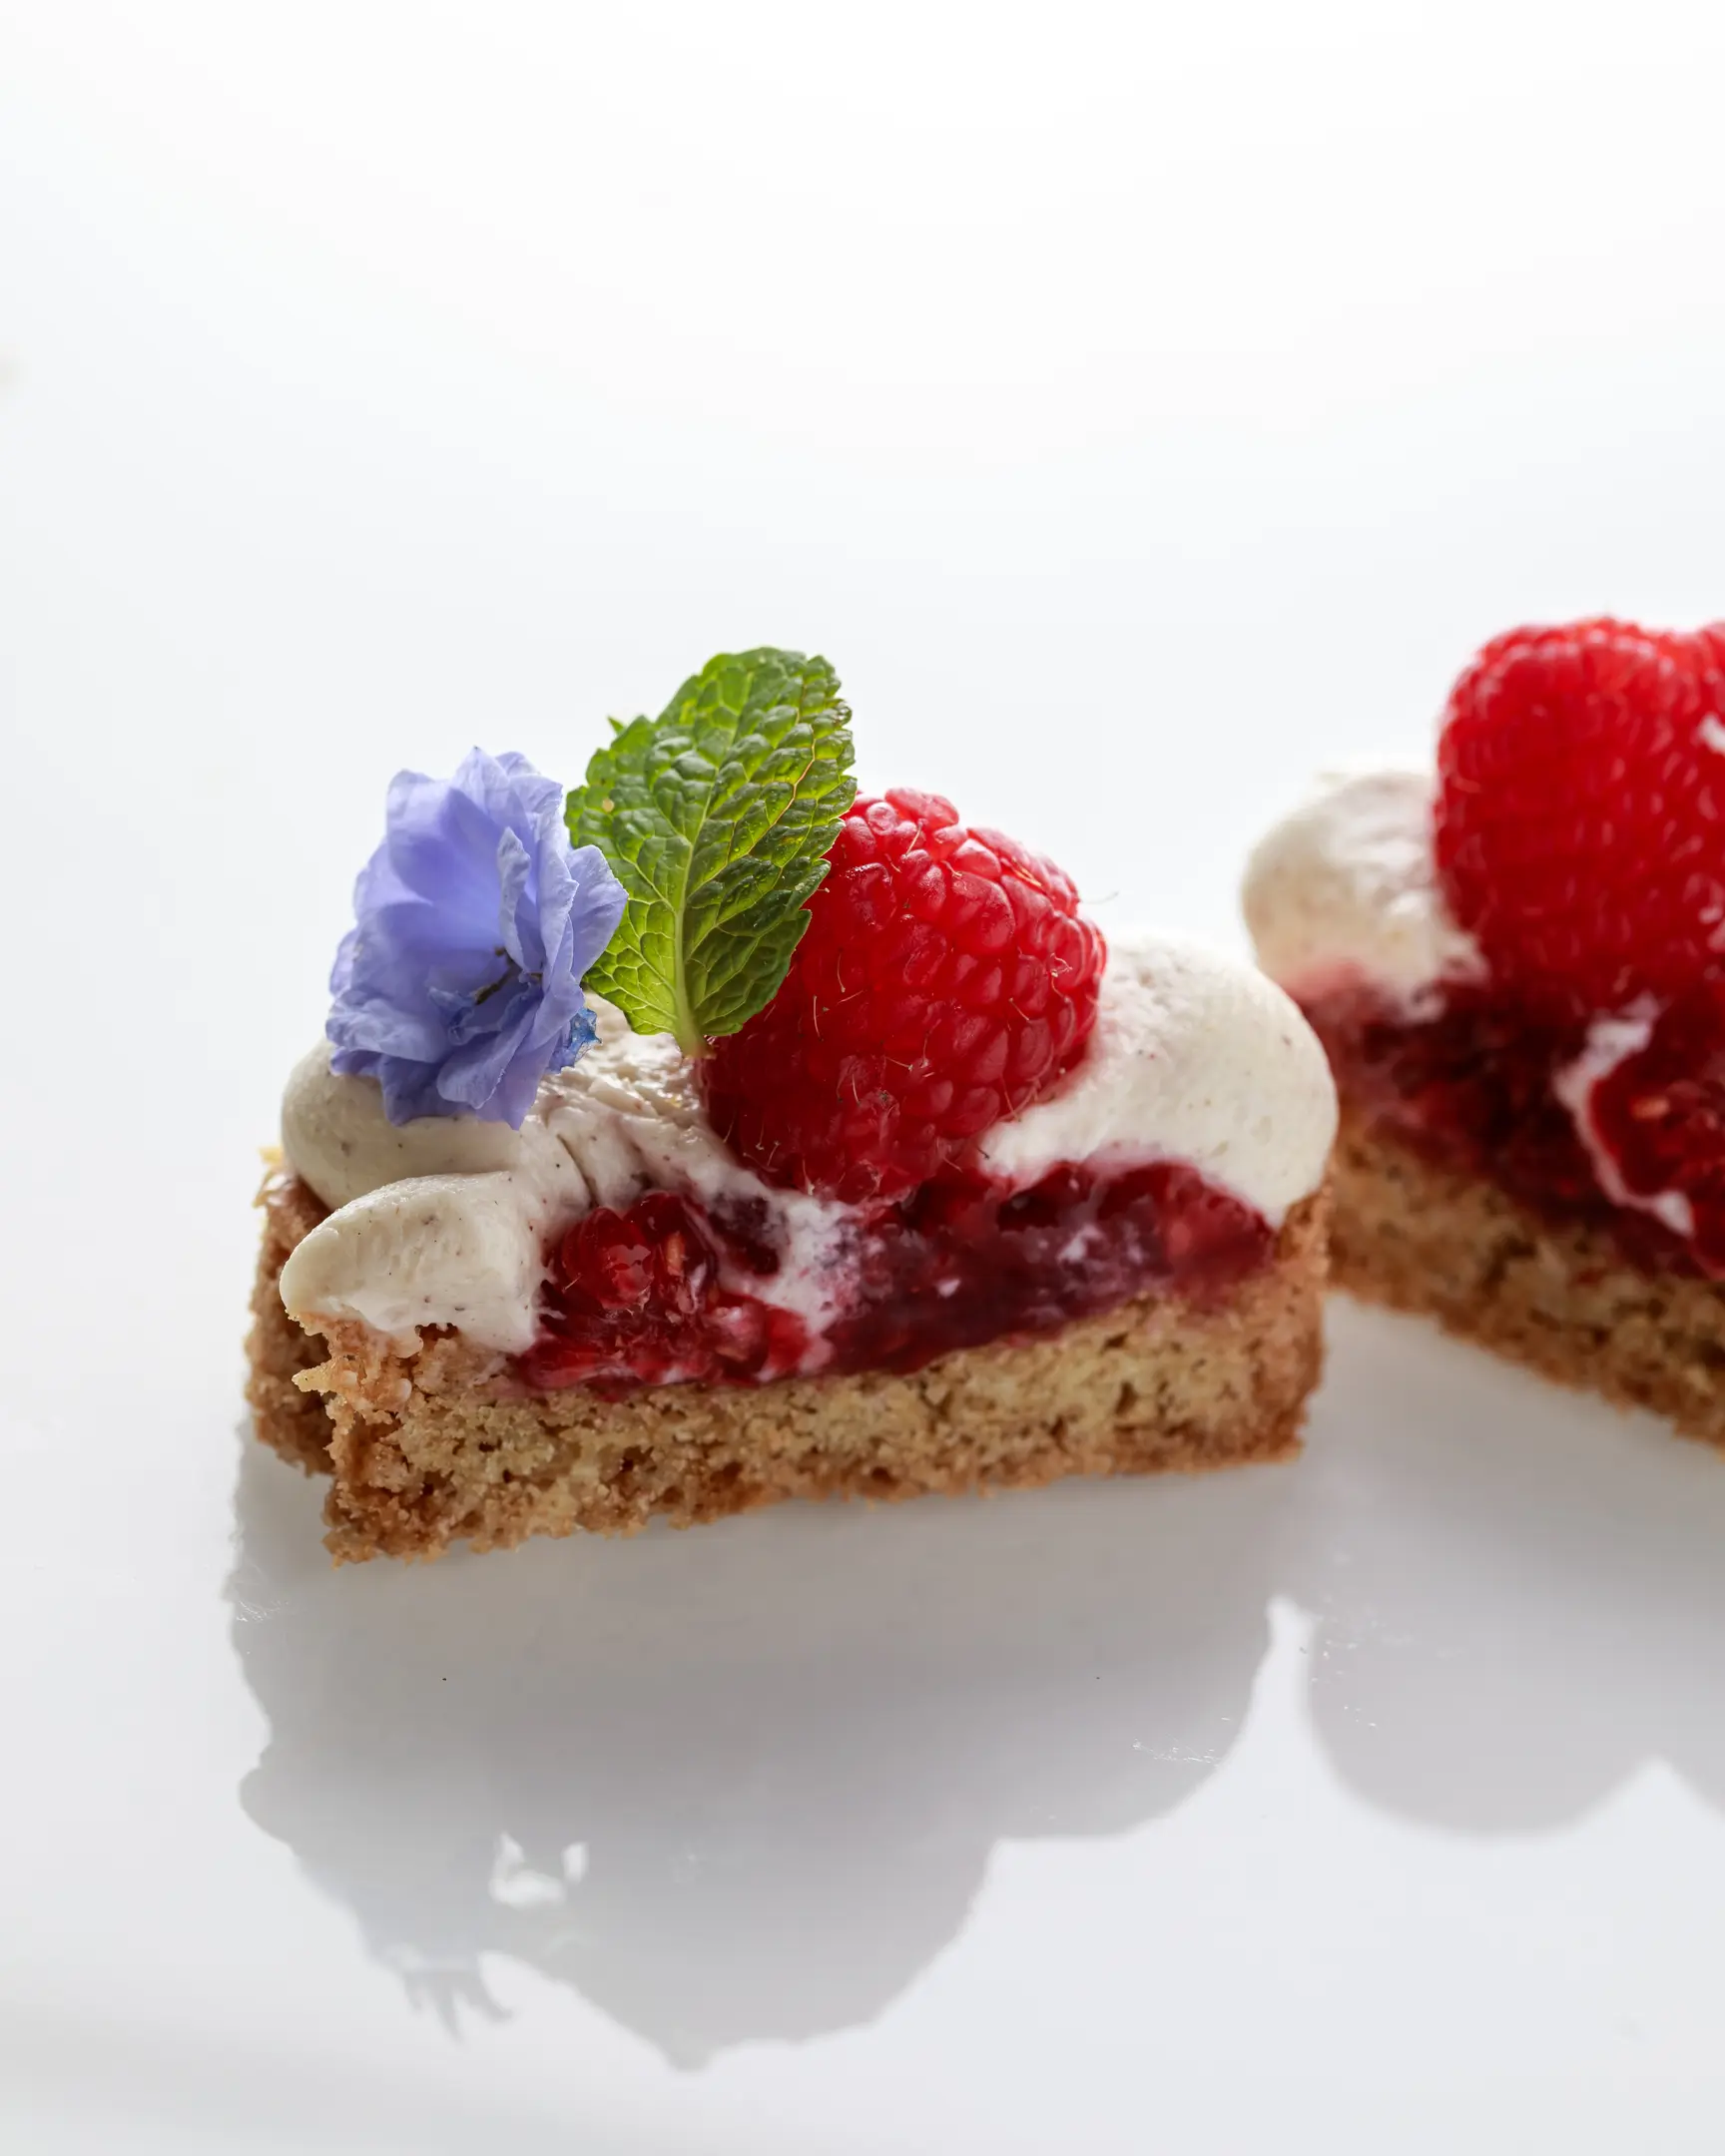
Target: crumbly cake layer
point(278, 1351)
point(429, 1447)
point(1560, 1299)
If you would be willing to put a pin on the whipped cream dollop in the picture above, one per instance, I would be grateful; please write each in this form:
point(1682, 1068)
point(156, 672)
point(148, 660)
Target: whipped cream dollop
point(1347, 885)
point(461, 1242)
point(446, 1220)
point(1194, 1058)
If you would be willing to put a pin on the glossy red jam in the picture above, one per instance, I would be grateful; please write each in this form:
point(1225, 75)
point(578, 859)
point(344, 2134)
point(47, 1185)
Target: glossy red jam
point(1473, 1086)
point(668, 1292)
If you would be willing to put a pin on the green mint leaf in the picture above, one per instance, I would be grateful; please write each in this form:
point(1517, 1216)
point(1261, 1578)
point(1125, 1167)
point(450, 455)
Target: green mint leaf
point(717, 817)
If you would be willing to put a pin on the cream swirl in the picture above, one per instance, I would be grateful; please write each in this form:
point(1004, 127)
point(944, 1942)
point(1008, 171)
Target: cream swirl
point(443, 1220)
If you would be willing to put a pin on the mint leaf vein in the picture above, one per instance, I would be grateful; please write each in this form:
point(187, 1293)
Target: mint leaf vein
point(717, 818)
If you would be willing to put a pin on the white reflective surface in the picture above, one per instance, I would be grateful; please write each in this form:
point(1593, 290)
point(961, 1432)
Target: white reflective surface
point(1141, 411)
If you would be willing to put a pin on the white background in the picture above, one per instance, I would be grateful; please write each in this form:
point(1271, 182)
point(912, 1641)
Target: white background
point(1142, 406)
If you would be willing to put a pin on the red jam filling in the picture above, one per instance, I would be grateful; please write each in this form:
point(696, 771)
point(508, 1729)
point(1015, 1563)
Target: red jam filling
point(1474, 1087)
point(668, 1291)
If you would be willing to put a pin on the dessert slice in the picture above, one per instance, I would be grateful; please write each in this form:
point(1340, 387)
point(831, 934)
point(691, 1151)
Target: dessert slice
point(1517, 966)
point(869, 1171)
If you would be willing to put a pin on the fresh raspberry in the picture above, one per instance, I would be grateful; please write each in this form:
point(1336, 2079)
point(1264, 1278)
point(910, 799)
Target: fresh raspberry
point(1580, 827)
point(946, 979)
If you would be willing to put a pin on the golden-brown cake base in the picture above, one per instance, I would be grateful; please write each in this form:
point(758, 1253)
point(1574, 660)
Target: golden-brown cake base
point(428, 1447)
point(1563, 1301)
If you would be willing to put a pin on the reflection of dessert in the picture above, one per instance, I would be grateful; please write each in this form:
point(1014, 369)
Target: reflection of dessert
point(1517, 967)
point(717, 1755)
point(874, 1174)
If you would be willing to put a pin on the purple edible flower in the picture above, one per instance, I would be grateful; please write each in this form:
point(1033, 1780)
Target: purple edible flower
point(459, 986)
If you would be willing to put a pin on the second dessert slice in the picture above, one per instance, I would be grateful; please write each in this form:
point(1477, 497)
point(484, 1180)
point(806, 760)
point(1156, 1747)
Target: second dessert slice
point(1517, 962)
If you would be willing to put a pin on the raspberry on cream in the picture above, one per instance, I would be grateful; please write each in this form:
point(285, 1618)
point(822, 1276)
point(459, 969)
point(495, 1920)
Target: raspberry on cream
point(1194, 1059)
point(1579, 809)
point(1347, 911)
point(946, 978)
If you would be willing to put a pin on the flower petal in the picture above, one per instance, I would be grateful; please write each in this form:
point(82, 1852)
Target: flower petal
point(459, 986)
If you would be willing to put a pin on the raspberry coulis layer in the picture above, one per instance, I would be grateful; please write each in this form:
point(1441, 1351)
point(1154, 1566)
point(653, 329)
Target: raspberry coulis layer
point(1475, 1086)
point(662, 1292)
